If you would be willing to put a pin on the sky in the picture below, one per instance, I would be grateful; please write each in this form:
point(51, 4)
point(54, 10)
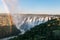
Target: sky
point(36, 6)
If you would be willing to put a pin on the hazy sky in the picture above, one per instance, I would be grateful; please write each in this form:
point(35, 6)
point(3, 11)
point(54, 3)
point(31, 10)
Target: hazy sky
point(36, 6)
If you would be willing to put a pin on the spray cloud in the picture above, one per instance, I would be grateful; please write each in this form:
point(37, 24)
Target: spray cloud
point(11, 7)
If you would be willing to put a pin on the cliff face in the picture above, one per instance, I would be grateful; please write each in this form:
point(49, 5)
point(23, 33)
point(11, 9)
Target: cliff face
point(49, 30)
point(7, 28)
point(25, 22)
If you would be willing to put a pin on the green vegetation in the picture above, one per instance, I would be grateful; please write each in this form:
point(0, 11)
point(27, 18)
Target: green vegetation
point(49, 30)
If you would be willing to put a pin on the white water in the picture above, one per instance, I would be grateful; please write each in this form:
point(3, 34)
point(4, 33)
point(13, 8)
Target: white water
point(24, 22)
point(7, 38)
point(30, 22)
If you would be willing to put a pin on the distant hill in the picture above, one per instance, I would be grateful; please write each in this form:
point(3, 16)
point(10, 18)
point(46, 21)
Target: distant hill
point(49, 30)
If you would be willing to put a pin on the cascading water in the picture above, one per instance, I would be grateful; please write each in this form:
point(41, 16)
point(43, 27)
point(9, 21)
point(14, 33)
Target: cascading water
point(22, 22)
point(25, 22)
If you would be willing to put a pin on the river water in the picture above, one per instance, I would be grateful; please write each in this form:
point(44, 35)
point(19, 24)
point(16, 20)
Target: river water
point(7, 38)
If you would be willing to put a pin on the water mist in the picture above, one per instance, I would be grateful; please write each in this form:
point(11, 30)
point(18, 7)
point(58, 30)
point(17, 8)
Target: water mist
point(11, 7)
